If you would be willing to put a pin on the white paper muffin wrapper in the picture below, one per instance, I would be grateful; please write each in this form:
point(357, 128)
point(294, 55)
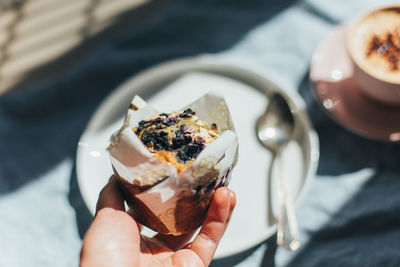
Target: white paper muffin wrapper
point(136, 165)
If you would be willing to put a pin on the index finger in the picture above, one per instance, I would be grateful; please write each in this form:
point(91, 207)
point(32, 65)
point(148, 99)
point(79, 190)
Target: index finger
point(221, 208)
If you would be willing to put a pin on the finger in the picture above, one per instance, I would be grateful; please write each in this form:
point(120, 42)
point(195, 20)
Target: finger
point(113, 236)
point(110, 196)
point(206, 242)
point(232, 196)
point(175, 242)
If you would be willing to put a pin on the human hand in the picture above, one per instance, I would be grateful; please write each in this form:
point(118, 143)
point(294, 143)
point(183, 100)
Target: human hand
point(114, 237)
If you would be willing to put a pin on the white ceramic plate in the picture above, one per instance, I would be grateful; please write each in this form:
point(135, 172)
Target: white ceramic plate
point(170, 86)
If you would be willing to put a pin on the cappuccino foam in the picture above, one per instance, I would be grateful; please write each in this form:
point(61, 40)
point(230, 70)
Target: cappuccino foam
point(375, 44)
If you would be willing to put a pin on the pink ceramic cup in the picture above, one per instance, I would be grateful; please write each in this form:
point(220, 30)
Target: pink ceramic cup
point(373, 43)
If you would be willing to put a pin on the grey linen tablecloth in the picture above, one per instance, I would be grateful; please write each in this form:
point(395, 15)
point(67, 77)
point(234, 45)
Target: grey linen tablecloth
point(351, 214)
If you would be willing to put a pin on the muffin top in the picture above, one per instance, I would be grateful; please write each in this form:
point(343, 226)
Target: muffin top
point(176, 138)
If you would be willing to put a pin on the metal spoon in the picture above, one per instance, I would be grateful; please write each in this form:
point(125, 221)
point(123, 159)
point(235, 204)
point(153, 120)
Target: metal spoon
point(275, 128)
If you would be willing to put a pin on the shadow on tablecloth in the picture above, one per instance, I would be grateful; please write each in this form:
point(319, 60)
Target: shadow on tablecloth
point(41, 120)
point(365, 230)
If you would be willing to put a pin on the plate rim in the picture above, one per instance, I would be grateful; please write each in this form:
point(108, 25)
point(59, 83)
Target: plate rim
point(211, 64)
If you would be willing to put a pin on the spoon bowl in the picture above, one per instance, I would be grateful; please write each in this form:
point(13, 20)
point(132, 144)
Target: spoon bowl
point(275, 127)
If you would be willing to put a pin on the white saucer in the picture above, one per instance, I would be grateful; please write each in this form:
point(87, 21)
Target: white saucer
point(172, 85)
point(333, 85)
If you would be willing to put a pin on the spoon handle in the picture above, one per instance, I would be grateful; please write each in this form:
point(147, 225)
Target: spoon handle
point(287, 236)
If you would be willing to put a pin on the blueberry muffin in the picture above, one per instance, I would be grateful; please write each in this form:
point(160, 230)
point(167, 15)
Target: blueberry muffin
point(176, 138)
